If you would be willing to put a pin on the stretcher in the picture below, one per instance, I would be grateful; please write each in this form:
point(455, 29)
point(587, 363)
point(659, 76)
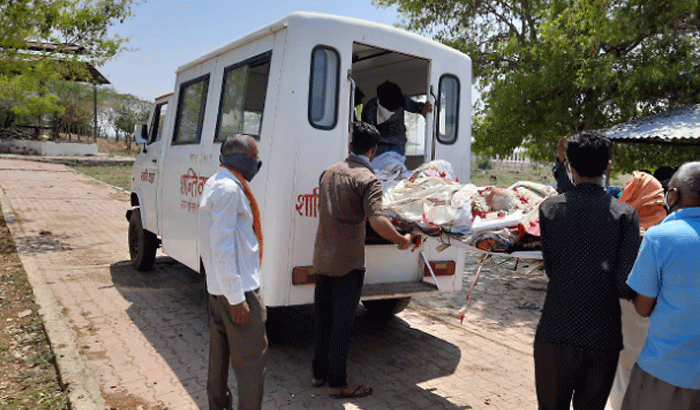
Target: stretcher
point(634, 327)
point(485, 256)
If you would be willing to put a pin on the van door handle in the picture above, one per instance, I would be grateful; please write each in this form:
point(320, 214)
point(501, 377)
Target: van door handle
point(155, 161)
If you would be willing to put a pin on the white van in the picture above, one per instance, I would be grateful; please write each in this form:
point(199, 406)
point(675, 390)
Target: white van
point(291, 86)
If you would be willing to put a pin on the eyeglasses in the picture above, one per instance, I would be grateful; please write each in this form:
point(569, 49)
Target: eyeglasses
point(669, 191)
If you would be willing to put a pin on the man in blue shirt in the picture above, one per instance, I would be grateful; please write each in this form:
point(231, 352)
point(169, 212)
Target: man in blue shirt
point(666, 276)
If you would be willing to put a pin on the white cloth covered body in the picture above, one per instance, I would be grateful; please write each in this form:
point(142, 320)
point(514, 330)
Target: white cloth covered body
point(432, 197)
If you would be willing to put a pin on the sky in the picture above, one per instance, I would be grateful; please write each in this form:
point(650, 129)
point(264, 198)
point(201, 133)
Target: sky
point(165, 34)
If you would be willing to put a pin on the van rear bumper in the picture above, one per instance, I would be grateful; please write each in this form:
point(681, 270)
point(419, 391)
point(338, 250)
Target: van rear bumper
point(397, 290)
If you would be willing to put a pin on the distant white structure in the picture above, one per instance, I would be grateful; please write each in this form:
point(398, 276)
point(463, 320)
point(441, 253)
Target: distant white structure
point(517, 159)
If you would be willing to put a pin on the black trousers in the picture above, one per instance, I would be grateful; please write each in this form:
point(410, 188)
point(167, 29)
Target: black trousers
point(562, 372)
point(335, 302)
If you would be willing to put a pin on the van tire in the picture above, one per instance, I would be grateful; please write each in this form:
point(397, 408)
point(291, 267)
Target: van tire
point(385, 308)
point(142, 243)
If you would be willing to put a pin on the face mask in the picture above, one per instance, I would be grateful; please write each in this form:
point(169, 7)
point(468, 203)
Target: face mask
point(244, 164)
point(568, 172)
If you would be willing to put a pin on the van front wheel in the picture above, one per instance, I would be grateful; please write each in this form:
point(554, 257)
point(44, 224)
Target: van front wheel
point(386, 307)
point(142, 243)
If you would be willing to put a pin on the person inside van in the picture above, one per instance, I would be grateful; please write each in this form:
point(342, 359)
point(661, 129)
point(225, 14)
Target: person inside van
point(359, 99)
point(386, 113)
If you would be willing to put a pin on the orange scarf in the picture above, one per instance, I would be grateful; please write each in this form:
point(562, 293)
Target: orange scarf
point(257, 224)
point(646, 195)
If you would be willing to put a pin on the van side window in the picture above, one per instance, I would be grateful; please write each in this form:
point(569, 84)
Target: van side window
point(157, 125)
point(447, 117)
point(243, 98)
point(190, 111)
point(324, 87)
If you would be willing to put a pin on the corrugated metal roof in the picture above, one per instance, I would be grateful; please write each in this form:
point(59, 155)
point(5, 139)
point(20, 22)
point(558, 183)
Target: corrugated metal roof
point(679, 125)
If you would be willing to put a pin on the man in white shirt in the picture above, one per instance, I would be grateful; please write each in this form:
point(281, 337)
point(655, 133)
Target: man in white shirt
point(230, 241)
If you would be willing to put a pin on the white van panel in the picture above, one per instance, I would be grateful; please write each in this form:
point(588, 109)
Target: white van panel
point(294, 152)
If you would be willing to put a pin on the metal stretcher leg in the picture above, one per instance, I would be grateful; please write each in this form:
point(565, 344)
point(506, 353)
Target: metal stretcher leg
point(481, 261)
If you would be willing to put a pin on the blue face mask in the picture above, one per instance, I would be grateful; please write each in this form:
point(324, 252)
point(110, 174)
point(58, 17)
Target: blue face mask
point(244, 164)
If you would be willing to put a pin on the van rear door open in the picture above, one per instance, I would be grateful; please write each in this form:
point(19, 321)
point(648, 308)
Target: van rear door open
point(449, 127)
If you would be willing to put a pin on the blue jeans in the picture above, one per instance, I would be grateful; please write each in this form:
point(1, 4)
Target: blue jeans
point(382, 148)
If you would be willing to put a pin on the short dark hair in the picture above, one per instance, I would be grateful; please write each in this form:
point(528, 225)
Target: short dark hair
point(364, 137)
point(589, 153)
point(390, 96)
point(664, 172)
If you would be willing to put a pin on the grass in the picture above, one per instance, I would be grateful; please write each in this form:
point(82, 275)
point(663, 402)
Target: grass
point(117, 175)
point(506, 176)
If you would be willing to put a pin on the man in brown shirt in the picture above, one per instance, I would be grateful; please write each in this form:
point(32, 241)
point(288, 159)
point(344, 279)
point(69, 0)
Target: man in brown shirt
point(350, 194)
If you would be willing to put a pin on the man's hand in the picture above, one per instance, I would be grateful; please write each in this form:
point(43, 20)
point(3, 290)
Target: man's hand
point(561, 149)
point(383, 226)
point(405, 242)
point(240, 313)
point(427, 107)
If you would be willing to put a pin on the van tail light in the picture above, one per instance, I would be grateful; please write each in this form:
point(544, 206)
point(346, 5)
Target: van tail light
point(446, 268)
point(302, 275)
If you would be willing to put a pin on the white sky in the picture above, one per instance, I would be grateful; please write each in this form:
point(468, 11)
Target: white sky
point(165, 34)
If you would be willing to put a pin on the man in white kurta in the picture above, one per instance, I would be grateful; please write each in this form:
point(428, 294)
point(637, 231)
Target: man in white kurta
point(231, 249)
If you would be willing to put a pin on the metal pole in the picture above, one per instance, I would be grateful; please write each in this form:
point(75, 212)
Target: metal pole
point(94, 111)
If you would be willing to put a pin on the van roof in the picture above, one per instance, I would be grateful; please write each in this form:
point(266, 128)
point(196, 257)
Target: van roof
point(319, 20)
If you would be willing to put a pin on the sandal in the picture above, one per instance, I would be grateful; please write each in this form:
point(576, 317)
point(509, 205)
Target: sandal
point(352, 392)
point(529, 305)
point(317, 382)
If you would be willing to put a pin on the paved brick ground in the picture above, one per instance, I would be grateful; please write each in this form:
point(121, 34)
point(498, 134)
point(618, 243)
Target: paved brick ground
point(143, 335)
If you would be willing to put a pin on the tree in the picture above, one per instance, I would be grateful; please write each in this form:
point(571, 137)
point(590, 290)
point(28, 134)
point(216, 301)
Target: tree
point(551, 68)
point(48, 40)
point(132, 111)
point(75, 101)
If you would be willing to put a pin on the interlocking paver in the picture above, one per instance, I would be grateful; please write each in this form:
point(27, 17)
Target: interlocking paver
point(146, 333)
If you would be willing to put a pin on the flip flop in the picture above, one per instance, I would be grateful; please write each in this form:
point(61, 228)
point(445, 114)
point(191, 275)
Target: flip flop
point(529, 305)
point(317, 382)
point(359, 391)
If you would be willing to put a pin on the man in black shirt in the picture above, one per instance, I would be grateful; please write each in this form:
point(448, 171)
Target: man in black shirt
point(589, 244)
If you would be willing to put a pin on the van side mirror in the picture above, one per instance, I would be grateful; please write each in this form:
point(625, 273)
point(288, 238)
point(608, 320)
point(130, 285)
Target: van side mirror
point(141, 134)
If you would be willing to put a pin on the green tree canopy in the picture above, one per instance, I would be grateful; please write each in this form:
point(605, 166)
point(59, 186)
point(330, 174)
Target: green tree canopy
point(48, 40)
point(551, 68)
point(131, 111)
